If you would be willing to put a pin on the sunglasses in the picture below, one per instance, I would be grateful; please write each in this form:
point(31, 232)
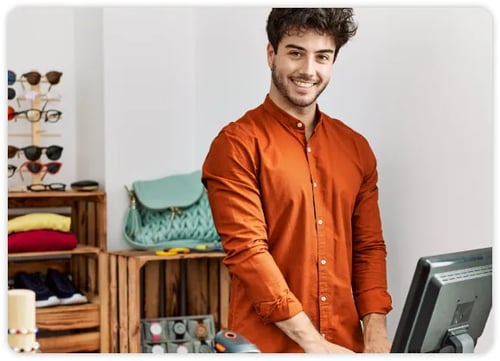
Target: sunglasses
point(11, 93)
point(34, 115)
point(11, 77)
point(11, 169)
point(34, 77)
point(33, 152)
point(47, 187)
point(35, 167)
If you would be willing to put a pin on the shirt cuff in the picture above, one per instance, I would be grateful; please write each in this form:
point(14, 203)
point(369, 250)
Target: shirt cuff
point(373, 301)
point(278, 310)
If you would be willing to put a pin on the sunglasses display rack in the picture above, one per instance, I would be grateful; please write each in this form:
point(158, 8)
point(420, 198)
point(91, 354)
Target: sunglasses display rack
point(29, 93)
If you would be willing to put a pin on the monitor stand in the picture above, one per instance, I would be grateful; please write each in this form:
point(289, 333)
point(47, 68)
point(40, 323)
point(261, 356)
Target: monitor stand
point(458, 342)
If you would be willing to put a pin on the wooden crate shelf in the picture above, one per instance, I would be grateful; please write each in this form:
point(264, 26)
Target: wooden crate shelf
point(80, 327)
point(144, 285)
point(73, 317)
point(81, 342)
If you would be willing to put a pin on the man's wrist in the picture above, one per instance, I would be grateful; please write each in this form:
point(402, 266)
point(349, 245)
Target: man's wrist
point(300, 329)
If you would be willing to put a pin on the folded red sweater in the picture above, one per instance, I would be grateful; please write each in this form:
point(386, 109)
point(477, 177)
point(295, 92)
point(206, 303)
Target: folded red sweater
point(41, 240)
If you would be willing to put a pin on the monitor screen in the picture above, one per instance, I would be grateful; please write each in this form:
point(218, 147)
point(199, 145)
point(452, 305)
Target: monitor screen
point(448, 303)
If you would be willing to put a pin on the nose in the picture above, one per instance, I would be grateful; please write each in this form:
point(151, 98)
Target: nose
point(308, 67)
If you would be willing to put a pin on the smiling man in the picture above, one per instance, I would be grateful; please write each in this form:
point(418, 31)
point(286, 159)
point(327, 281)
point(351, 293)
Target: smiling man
point(294, 197)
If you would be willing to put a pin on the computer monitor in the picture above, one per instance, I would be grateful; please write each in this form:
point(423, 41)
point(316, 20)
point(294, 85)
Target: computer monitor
point(448, 303)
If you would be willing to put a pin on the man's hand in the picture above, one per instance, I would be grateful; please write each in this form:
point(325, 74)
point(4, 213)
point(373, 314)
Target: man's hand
point(375, 333)
point(300, 329)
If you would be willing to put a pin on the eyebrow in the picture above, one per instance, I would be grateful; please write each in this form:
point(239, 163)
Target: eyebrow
point(293, 46)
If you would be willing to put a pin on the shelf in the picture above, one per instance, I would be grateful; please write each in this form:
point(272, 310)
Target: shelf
point(48, 194)
point(143, 257)
point(80, 327)
point(144, 285)
point(68, 317)
point(80, 249)
point(53, 199)
point(87, 211)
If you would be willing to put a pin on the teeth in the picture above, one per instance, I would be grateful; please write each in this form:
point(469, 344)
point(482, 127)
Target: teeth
point(303, 84)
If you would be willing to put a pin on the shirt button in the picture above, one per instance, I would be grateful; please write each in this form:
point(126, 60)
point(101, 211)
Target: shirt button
point(299, 125)
point(309, 149)
point(315, 184)
point(323, 261)
point(323, 298)
point(320, 221)
point(323, 335)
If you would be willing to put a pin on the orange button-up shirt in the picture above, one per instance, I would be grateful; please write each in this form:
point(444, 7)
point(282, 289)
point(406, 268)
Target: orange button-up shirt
point(300, 223)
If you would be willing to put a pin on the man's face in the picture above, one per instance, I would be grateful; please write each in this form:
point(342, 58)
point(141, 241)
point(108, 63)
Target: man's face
point(302, 66)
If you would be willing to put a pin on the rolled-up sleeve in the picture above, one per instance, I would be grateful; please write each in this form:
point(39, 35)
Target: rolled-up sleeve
point(230, 176)
point(369, 251)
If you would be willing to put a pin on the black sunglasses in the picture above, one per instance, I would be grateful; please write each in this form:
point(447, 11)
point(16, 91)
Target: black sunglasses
point(12, 169)
point(11, 93)
point(33, 152)
point(47, 187)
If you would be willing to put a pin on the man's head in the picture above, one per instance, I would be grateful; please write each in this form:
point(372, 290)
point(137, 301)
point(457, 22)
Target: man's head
point(337, 22)
point(303, 45)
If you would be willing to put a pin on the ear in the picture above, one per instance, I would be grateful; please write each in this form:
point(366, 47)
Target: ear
point(270, 55)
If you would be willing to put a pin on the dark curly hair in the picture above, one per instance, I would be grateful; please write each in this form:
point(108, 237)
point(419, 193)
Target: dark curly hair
point(337, 22)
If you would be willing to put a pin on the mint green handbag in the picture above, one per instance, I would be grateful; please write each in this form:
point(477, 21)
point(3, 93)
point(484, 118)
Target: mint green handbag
point(170, 212)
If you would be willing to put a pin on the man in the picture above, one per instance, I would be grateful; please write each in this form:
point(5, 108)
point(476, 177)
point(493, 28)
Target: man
point(294, 198)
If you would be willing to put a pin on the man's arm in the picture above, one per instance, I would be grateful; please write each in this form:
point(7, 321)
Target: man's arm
point(230, 176)
point(300, 329)
point(375, 333)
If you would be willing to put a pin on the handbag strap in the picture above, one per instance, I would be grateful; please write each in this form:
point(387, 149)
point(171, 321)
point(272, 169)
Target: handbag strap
point(131, 197)
point(132, 219)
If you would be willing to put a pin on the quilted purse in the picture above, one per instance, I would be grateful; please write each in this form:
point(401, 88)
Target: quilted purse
point(170, 212)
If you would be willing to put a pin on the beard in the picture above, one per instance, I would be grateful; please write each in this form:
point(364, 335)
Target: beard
point(279, 82)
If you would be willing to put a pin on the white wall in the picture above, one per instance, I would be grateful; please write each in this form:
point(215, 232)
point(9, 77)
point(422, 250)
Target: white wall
point(155, 85)
point(418, 83)
point(149, 85)
point(35, 43)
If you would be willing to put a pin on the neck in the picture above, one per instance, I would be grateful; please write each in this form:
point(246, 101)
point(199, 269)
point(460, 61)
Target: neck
point(306, 115)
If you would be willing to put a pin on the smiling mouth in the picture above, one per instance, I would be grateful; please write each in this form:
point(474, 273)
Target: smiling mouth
point(303, 84)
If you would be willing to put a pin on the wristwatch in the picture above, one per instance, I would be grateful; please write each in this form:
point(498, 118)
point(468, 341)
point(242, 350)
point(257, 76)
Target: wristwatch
point(205, 348)
point(155, 329)
point(201, 331)
point(181, 348)
point(157, 349)
point(179, 329)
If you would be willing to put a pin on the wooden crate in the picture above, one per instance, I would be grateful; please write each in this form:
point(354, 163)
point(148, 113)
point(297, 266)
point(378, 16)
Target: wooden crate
point(70, 328)
point(144, 285)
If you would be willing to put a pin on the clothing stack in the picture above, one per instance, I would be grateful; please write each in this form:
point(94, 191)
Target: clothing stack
point(40, 232)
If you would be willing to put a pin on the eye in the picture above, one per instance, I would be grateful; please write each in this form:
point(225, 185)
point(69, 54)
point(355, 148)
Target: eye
point(323, 58)
point(295, 54)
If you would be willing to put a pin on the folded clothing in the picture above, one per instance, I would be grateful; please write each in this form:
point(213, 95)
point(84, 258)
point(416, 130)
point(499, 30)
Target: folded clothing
point(41, 240)
point(31, 221)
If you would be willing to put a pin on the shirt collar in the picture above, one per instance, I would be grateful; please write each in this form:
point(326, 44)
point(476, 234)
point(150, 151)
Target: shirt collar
point(285, 118)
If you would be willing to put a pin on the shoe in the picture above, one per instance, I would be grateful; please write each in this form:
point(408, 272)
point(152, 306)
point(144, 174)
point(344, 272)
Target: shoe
point(64, 289)
point(44, 297)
